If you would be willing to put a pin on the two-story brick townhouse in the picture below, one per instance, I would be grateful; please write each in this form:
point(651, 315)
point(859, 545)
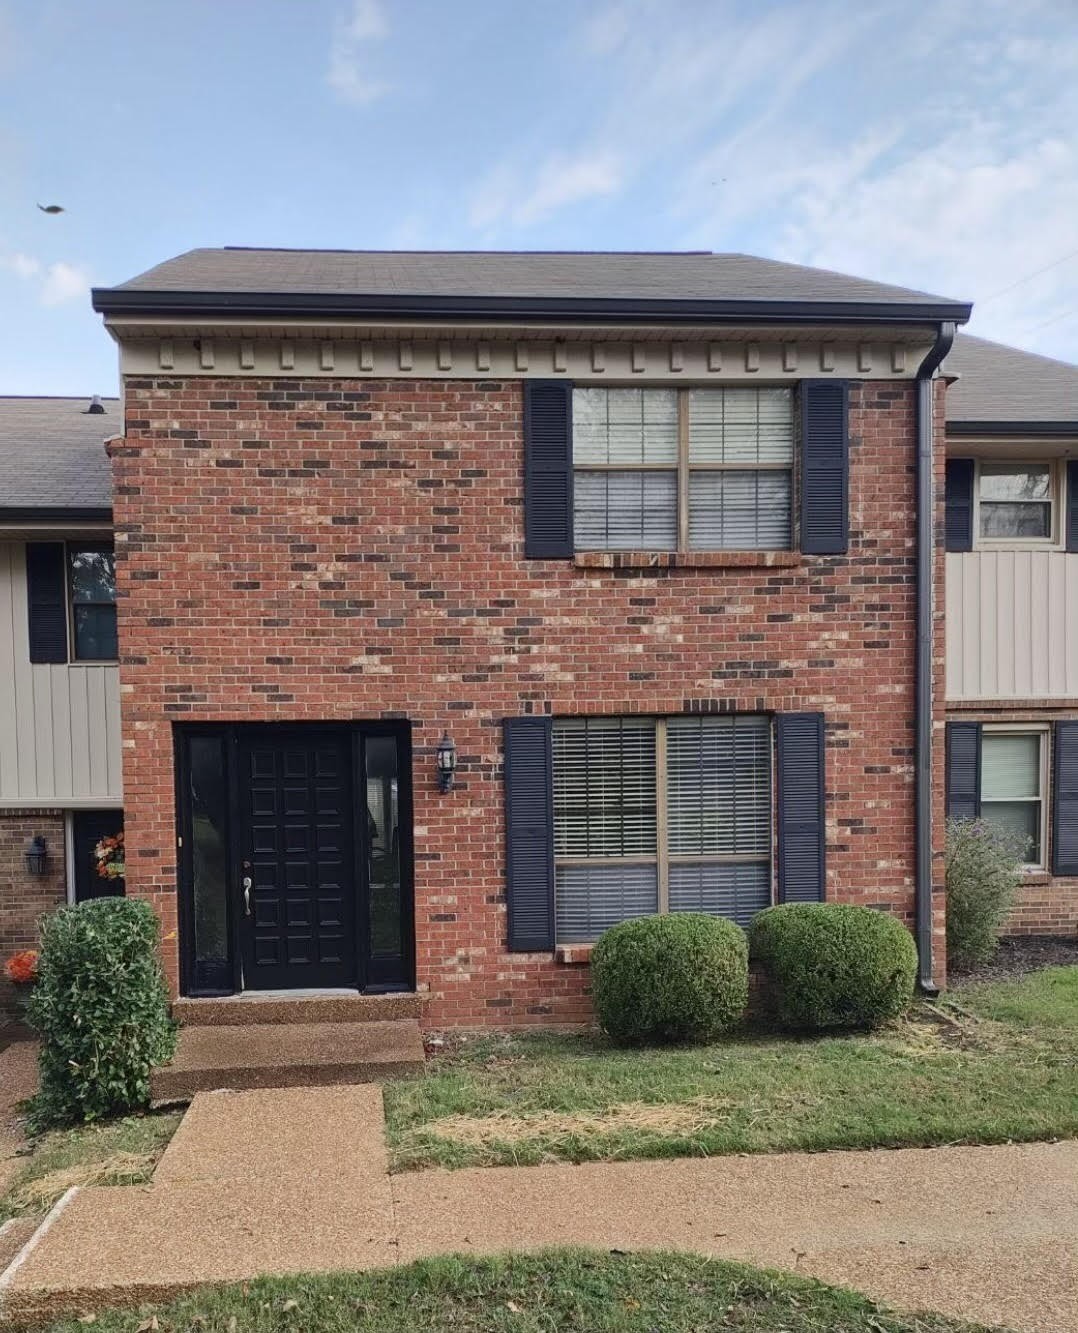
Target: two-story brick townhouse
point(59, 692)
point(1012, 613)
point(634, 540)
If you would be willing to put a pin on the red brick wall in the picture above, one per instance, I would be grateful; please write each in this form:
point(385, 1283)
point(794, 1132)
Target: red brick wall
point(347, 549)
point(25, 898)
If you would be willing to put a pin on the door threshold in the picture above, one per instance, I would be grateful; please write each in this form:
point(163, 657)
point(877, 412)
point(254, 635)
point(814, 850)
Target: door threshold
point(306, 993)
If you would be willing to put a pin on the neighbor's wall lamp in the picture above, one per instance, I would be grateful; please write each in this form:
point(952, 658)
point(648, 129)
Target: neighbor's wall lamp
point(447, 762)
point(37, 855)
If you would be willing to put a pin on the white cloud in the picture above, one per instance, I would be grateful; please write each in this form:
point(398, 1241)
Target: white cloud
point(56, 283)
point(64, 282)
point(23, 266)
point(347, 75)
point(521, 199)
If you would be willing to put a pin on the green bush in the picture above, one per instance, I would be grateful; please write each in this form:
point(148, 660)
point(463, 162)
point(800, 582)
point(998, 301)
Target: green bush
point(101, 1006)
point(984, 868)
point(829, 965)
point(683, 977)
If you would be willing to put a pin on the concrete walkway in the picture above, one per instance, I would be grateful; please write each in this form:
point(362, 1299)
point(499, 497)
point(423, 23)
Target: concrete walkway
point(18, 1080)
point(296, 1180)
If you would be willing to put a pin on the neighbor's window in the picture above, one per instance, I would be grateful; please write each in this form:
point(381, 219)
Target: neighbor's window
point(1012, 786)
point(683, 469)
point(92, 583)
point(660, 815)
point(1016, 501)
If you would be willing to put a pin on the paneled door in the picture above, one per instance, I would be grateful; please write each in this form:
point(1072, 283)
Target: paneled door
point(297, 861)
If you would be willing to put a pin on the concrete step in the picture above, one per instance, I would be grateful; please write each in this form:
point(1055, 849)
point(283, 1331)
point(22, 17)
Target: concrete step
point(295, 1007)
point(287, 1055)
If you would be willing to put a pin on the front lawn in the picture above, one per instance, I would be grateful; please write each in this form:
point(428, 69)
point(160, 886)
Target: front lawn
point(115, 1152)
point(560, 1289)
point(986, 1064)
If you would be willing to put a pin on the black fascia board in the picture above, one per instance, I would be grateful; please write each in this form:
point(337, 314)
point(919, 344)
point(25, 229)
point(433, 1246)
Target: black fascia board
point(570, 310)
point(53, 514)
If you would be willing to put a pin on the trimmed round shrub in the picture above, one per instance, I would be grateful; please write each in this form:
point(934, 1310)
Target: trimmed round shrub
point(101, 1007)
point(683, 977)
point(829, 965)
point(984, 869)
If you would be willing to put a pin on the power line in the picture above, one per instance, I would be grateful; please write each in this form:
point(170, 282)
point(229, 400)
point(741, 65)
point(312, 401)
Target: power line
point(1054, 320)
point(1035, 274)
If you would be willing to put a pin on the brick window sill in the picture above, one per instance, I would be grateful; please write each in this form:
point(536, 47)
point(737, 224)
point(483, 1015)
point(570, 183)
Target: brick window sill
point(1035, 877)
point(688, 559)
point(573, 954)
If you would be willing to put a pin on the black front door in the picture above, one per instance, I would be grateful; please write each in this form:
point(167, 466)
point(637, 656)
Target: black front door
point(295, 857)
point(297, 860)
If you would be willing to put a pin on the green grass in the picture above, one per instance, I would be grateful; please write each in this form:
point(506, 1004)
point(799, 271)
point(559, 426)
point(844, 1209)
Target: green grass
point(993, 1063)
point(557, 1290)
point(116, 1152)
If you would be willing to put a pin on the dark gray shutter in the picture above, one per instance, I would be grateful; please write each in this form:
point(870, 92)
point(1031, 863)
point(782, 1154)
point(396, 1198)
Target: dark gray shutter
point(963, 770)
point(959, 525)
point(825, 467)
point(548, 469)
point(801, 799)
point(1065, 798)
point(1072, 506)
point(529, 821)
point(46, 600)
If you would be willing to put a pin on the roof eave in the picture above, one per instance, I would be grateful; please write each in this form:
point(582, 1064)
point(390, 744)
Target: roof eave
point(54, 514)
point(571, 310)
point(1047, 429)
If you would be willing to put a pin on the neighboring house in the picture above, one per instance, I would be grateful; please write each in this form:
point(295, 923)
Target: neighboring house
point(59, 692)
point(637, 534)
point(1012, 612)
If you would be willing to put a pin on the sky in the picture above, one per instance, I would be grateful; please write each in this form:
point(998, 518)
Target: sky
point(931, 145)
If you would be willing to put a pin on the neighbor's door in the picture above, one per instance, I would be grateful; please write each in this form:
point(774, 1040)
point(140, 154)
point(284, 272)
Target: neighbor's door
point(298, 868)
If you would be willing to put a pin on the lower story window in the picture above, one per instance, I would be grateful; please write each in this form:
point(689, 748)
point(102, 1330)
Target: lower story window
point(1012, 787)
point(97, 854)
point(660, 815)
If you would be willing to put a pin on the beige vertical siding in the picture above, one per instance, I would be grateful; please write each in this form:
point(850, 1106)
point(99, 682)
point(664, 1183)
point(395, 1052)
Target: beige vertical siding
point(59, 725)
point(1012, 625)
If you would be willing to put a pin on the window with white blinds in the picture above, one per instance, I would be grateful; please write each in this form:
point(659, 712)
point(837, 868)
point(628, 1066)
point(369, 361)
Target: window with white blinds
point(1012, 787)
point(656, 815)
point(683, 469)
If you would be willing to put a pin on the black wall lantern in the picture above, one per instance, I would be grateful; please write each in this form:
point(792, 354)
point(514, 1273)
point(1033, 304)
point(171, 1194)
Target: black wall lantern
point(447, 763)
point(37, 856)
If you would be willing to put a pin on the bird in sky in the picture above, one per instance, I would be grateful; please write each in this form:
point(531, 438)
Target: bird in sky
point(51, 208)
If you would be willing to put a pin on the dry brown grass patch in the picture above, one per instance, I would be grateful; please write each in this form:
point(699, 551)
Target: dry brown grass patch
point(42, 1191)
point(673, 1118)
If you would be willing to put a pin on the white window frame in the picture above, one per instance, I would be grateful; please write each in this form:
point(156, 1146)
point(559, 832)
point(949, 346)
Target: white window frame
point(1042, 731)
point(1057, 499)
point(683, 467)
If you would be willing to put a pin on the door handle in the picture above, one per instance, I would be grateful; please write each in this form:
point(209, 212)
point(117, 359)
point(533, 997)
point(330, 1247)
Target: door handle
point(247, 895)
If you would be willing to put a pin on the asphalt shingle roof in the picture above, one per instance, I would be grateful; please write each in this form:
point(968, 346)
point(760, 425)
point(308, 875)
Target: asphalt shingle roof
point(1002, 384)
point(52, 453)
point(624, 277)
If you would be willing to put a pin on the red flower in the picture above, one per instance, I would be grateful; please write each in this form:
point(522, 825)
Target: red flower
point(21, 967)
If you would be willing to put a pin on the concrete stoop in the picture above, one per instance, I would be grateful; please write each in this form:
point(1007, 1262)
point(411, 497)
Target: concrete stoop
point(284, 1053)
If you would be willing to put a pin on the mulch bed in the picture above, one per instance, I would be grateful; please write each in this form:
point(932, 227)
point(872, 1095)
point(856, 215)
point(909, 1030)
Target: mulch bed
point(1020, 954)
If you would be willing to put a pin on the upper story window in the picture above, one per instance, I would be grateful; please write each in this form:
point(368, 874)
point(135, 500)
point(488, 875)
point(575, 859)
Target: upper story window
point(1017, 502)
point(92, 590)
point(683, 469)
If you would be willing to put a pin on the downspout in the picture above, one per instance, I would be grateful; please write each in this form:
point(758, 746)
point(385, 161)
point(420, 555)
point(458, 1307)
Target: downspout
point(926, 566)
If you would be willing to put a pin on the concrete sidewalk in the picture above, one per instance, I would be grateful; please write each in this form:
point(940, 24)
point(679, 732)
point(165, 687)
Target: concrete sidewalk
point(296, 1180)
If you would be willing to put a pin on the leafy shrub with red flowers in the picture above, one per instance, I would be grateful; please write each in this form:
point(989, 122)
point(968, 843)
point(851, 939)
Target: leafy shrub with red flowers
point(21, 967)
